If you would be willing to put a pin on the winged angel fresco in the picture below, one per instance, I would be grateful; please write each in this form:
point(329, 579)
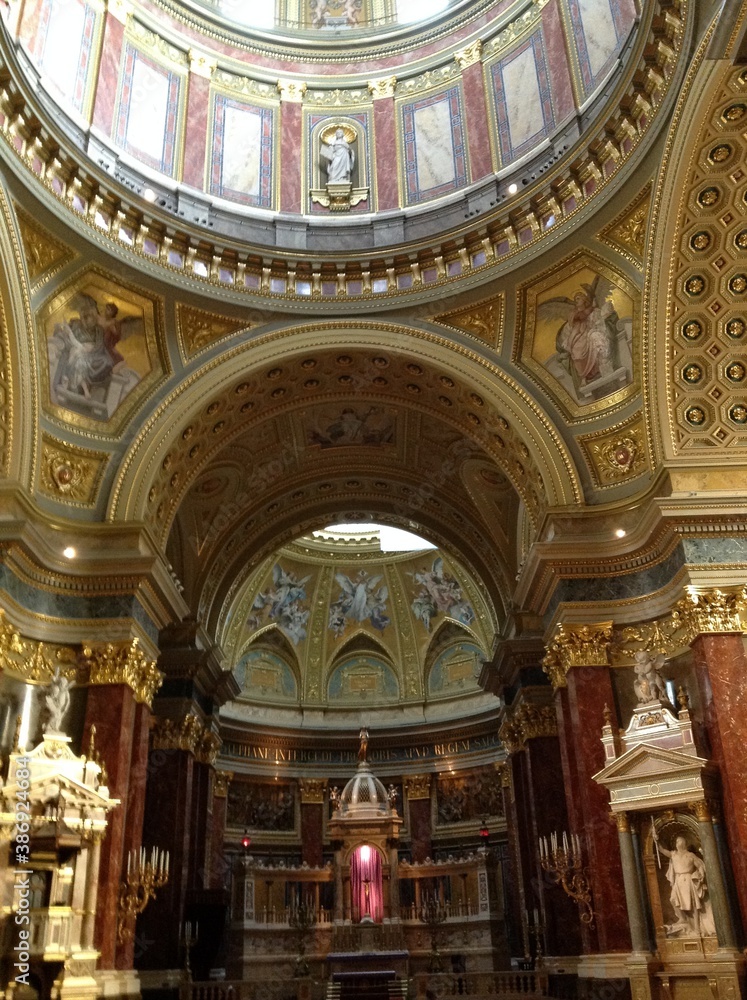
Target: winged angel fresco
point(360, 600)
point(88, 373)
point(587, 341)
point(282, 603)
point(439, 592)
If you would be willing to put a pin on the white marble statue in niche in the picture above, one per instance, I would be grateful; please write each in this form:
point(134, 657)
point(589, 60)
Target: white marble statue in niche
point(686, 876)
point(339, 155)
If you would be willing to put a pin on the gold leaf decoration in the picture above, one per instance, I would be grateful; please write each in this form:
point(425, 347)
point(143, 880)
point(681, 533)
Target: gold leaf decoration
point(617, 453)
point(627, 233)
point(483, 320)
point(198, 329)
point(44, 254)
point(70, 473)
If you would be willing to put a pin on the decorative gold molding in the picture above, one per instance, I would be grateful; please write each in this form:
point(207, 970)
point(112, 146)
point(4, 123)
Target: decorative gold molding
point(701, 810)
point(484, 320)
point(504, 773)
point(528, 723)
point(187, 734)
point(291, 91)
point(202, 63)
point(616, 453)
point(704, 612)
point(197, 328)
point(124, 663)
point(627, 232)
point(383, 87)
point(577, 646)
point(70, 473)
point(623, 822)
point(417, 786)
point(469, 55)
point(44, 254)
point(222, 780)
point(31, 661)
point(312, 790)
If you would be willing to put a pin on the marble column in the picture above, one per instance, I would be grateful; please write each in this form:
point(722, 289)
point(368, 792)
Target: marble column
point(219, 867)
point(312, 820)
point(578, 657)
point(339, 889)
point(636, 911)
point(196, 119)
point(721, 668)
point(385, 130)
point(291, 144)
point(393, 882)
point(93, 863)
point(473, 87)
point(722, 915)
point(135, 806)
point(418, 792)
point(111, 709)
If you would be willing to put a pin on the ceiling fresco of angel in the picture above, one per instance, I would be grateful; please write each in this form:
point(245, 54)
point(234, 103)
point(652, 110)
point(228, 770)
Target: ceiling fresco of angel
point(361, 599)
point(439, 593)
point(285, 603)
point(98, 352)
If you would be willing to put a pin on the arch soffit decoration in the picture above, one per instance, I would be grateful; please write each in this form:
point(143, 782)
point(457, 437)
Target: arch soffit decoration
point(698, 233)
point(161, 450)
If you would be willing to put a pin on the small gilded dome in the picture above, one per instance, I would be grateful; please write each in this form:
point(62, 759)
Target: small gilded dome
point(364, 795)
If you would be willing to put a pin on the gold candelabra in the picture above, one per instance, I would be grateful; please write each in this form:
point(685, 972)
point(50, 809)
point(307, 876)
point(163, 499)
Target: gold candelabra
point(564, 865)
point(432, 913)
point(144, 876)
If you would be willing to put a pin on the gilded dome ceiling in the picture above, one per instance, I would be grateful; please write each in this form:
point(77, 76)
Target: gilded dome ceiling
point(332, 632)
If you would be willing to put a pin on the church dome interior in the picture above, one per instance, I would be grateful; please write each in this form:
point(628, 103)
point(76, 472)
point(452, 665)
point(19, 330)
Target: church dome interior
point(373, 476)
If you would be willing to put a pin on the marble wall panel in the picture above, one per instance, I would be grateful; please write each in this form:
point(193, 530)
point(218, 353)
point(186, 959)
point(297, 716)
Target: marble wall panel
point(476, 113)
point(242, 152)
point(147, 117)
point(433, 143)
point(558, 65)
point(385, 129)
point(599, 28)
point(106, 89)
point(523, 105)
point(290, 152)
point(196, 130)
point(63, 46)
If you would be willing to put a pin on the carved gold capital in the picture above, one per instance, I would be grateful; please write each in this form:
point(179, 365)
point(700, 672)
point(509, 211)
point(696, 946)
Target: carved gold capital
point(383, 87)
point(32, 661)
point(202, 63)
point(623, 822)
point(418, 786)
point(124, 663)
point(222, 780)
point(528, 722)
point(187, 734)
point(503, 772)
point(708, 612)
point(312, 789)
point(291, 91)
point(701, 810)
point(121, 9)
point(469, 55)
point(577, 646)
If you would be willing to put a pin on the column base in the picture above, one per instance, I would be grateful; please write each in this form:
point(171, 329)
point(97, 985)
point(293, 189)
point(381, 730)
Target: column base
point(604, 975)
point(118, 983)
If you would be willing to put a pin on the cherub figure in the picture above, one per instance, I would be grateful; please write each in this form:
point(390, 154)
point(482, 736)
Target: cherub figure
point(649, 684)
point(56, 702)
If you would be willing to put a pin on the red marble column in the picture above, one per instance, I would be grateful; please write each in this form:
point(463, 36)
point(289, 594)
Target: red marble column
point(547, 813)
point(112, 709)
point(218, 864)
point(589, 690)
point(476, 114)
point(196, 126)
point(520, 893)
point(312, 820)
point(721, 668)
point(419, 810)
point(168, 806)
point(385, 132)
point(291, 125)
point(133, 829)
point(108, 75)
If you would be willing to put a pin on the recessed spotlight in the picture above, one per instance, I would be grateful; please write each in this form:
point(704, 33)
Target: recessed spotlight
point(149, 194)
point(621, 532)
point(513, 188)
point(69, 552)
